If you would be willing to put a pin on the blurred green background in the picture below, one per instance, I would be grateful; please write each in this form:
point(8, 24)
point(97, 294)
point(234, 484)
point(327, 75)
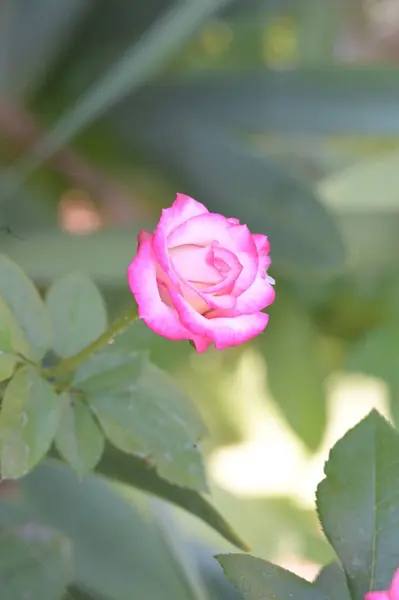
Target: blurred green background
point(284, 113)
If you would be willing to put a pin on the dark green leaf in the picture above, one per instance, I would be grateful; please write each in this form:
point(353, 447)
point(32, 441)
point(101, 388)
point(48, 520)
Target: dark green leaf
point(257, 579)
point(134, 471)
point(295, 370)
point(26, 305)
point(29, 419)
point(294, 101)
point(79, 440)
point(331, 580)
point(109, 372)
point(35, 562)
point(77, 311)
point(112, 540)
point(236, 180)
point(358, 504)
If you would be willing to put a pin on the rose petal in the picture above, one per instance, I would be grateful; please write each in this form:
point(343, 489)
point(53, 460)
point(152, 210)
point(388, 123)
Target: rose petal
point(182, 209)
point(202, 230)
point(394, 587)
point(223, 331)
point(262, 243)
point(143, 235)
point(248, 256)
point(263, 246)
point(377, 596)
point(194, 263)
point(257, 297)
point(142, 278)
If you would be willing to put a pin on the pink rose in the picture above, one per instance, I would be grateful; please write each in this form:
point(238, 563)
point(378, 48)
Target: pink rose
point(202, 277)
point(391, 594)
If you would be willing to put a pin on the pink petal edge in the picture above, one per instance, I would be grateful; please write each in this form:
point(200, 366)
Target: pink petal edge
point(155, 313)
point(182, 209)
point(223, 331)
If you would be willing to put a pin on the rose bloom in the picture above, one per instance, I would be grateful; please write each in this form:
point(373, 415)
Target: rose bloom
point(202, 277)
point(391, 594)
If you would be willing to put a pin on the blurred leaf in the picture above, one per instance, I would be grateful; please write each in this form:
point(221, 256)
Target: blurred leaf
point(358, 504)
point(367, 186)
point(137, 64)
point(295, 370)
point(323, 101)
point(78, 313)
point(103, 256)
point(109, 372)
point(331, 580)
point(376, 355)
point(232, 178)
point(8, 362)
point(25, 303)
point(317, 31)
point(79, 440)
point(27, 23)
point(35, 563)
point(118, 552)
point(257, 579)
point(29, 419)
point(134, 471)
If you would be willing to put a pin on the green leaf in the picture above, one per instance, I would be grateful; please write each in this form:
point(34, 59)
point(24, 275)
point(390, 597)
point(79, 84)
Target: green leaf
point(35, 562)
point(137, 64)
point(295, 370)
point(109, 372)
point(258, 579)
point(303, 101)
point(29, 419)
point(79, 440)
point(77, 311)
point(358, 504)
point(134, 471)
point(23, 300)
point(331, 580)
point(142, 412)
point(8, 363)
point(12, 342)
point(119, 553)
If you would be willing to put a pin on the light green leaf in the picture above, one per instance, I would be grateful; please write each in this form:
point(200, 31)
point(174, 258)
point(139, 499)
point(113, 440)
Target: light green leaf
point(35, 562)
point(8, 363)
point(79, 440)
point(109, 372)
point(77, 311)
point(12, 338)
point(295, 370)
point(331, 580)
point(142, 412)
point(258, 579)
point(23, 300)
point(358, 504)
point(29, 419)
point(134, 471)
